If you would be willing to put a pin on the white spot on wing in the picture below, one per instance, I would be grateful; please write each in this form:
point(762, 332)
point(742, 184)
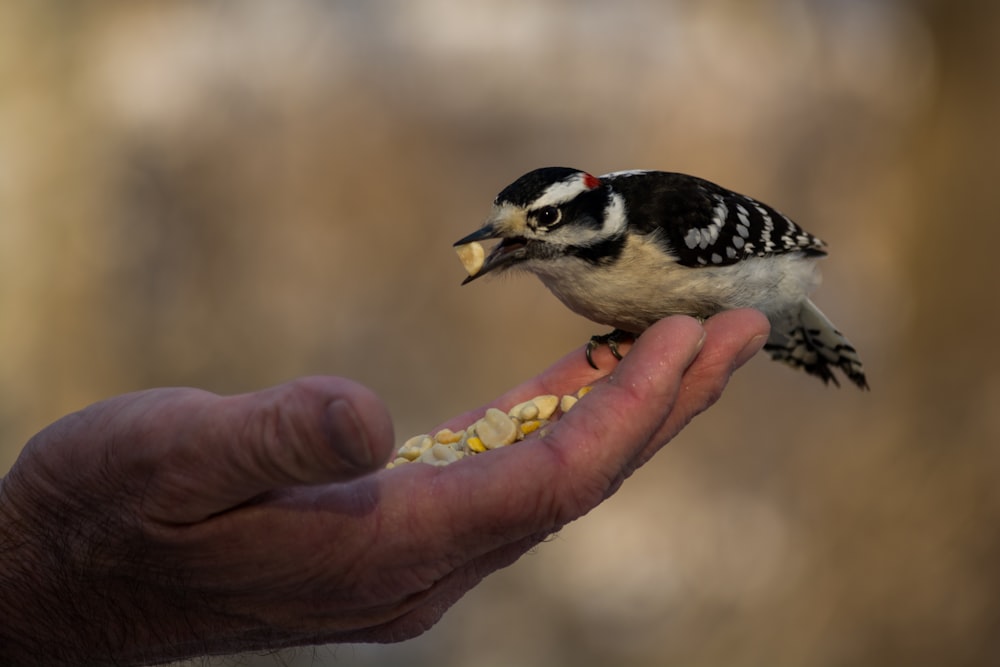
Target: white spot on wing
point(768, 228)
point(743, 215)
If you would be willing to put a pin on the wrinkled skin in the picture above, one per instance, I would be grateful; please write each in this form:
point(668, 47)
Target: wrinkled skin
point(173, 523)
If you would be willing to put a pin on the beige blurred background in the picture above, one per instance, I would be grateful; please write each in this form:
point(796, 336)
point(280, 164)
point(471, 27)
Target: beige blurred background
point(231, 194)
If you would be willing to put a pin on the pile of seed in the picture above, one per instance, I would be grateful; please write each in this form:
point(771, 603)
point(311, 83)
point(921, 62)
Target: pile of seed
point(493, 430)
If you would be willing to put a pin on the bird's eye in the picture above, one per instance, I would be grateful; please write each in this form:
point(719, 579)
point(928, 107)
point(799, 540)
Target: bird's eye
point(548, 216)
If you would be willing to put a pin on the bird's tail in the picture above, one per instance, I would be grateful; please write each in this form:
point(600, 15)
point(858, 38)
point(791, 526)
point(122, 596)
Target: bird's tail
point(809, 341)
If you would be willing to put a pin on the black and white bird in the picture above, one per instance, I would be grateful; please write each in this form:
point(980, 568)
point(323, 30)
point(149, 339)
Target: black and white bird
point(628, 248)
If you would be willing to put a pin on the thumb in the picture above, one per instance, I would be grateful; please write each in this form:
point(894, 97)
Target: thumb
point(229, 450)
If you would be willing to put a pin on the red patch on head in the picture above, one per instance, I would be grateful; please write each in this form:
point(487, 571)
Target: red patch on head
point(591, 182)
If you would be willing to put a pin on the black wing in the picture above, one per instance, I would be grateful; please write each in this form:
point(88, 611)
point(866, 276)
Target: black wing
point(705, 224)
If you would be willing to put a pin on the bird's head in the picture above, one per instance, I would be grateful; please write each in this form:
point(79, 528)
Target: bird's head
point(545, 214)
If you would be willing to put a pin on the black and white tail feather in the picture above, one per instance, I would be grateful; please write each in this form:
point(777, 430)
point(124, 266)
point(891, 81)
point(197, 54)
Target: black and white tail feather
point(808, 340)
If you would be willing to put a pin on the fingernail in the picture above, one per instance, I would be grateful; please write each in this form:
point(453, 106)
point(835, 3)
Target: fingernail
point(349, 437)
point(700, 344)
point(752, 347)
point(695, 349)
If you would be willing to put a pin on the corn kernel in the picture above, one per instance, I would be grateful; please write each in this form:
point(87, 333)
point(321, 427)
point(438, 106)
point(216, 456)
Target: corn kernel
point(415, 446)
point(439, 455)
point(524, 411)
point(530, 425)
point(447, 436)
point(399, 460)
point(546, 405)
point(475, 444)
point(496, 429)
point(583, 391)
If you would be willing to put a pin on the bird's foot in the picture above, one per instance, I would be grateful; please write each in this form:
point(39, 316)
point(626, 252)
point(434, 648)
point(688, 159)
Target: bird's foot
point(611, 340)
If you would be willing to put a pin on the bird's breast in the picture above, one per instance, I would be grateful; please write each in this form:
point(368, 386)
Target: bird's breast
point(645, 285)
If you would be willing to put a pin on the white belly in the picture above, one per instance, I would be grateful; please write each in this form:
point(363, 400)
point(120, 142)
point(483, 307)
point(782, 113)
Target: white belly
point(631, 295)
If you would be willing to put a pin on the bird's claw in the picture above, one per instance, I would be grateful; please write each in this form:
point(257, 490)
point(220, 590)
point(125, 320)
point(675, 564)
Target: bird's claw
point(611, 340)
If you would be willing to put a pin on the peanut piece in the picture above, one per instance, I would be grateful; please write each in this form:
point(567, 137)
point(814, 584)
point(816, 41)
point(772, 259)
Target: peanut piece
point(472, 255)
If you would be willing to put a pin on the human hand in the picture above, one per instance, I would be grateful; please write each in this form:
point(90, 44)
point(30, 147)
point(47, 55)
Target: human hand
point(173, 522)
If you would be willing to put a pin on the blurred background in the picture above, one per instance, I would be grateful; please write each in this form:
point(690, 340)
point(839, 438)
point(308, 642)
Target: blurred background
point(232, 194)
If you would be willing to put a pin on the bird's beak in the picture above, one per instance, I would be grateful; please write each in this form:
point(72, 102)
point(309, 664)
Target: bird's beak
point(484, 233)
point(509, 251)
